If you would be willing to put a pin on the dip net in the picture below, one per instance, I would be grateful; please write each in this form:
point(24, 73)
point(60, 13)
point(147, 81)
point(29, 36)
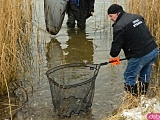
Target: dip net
point(72, 87)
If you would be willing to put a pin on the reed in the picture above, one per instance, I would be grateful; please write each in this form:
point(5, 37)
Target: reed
point(15, 30)
point(15, 26)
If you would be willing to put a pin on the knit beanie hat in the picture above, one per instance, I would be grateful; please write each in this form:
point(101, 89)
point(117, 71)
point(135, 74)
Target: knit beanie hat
point(115, 8)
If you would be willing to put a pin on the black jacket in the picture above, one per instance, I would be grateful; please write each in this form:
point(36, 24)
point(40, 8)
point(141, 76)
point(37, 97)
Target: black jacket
point(85, 8)
point(131, 34)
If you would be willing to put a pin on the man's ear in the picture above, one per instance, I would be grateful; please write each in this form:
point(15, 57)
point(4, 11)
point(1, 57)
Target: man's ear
point(118, 13)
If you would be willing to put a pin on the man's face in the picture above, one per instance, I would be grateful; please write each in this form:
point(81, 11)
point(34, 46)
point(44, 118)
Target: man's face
point(113, 17)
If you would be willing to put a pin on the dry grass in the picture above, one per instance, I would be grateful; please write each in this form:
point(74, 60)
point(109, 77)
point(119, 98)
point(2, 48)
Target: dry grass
point(129, 101)
point(15, 28)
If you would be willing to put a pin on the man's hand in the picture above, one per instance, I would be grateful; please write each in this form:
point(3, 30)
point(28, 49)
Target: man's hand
point(114, 61)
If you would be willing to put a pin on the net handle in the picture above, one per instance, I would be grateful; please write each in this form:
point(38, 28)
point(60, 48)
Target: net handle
point(105, 63)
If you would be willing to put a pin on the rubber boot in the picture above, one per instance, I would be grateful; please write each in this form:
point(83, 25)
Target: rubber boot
point(143, 88)
point(132, 89)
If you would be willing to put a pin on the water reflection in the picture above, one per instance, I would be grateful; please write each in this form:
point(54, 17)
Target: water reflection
point(80, 49)
point(54, 53)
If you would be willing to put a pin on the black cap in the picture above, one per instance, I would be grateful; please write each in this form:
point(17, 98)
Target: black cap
point(115, 8)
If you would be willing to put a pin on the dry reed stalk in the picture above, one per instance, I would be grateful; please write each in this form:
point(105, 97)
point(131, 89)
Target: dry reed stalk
point(9, 100)
point(15, 26)
point(15, 31)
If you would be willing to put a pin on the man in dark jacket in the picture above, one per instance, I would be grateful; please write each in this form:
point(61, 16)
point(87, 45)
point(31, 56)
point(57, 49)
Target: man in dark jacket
point(79, 10)
point(131, 34)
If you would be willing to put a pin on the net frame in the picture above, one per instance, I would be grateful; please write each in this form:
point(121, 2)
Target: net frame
point(65, 98)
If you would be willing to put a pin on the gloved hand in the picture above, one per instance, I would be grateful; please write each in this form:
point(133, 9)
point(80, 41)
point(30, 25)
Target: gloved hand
point(114, 61)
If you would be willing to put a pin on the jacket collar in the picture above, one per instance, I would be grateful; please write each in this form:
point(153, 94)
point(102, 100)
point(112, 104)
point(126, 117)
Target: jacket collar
point(119, 16)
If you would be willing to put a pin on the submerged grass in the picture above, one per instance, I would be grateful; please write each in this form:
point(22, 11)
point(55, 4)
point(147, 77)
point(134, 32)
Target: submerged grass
point(15, 29)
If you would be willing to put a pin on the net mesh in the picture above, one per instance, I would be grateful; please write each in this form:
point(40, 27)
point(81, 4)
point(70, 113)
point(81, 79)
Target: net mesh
point(72, 87)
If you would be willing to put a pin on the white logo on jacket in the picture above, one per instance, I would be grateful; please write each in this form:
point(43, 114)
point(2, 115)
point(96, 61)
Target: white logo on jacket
point(136, 22)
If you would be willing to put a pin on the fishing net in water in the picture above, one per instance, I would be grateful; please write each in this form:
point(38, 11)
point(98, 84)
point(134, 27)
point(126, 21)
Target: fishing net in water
point(72, 87)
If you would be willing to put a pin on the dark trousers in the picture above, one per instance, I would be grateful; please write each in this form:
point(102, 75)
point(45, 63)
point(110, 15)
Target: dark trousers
point(74, 15)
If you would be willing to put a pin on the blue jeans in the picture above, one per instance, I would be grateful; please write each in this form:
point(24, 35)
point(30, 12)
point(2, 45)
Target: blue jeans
point(140, 67)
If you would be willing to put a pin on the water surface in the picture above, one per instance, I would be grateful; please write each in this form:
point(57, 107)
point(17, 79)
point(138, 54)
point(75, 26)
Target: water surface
point(68, 46)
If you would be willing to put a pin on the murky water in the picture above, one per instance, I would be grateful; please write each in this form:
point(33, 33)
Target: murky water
point(69, 46)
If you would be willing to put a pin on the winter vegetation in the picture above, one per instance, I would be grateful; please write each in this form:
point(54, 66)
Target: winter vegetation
point(15, 29)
